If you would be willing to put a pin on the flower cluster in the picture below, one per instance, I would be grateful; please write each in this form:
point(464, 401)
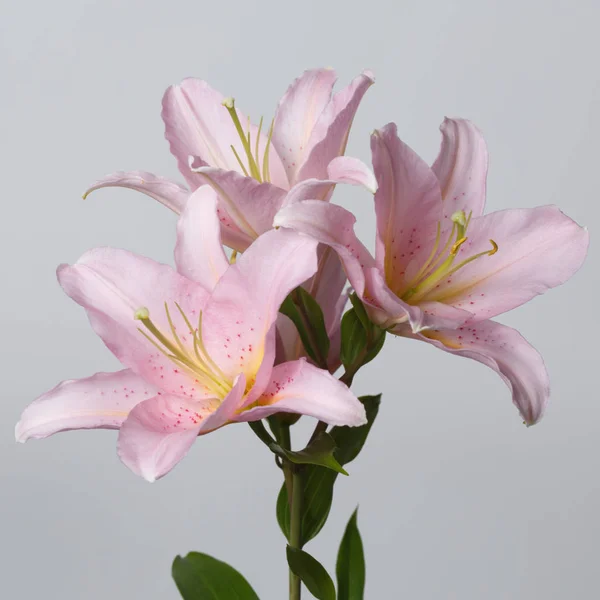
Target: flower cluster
point(205, 344)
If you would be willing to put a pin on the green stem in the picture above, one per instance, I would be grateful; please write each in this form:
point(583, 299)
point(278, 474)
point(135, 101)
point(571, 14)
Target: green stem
point(295, 527)
point(287, 466)
point(293, 483)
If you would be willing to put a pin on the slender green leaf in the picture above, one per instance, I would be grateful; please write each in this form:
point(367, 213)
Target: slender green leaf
point(282, 511)
point(375, 345)
point(318, 452)
point(350, 440)
point(312, 573)
point(307, 316)
point(359, 307)
point(354, 339)
point(350, 567)
point(319, 482)
point(202, 577)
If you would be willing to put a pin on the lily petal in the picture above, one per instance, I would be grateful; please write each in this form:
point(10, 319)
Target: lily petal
point(199, 254)
point(407, 203)
point(505, 351)
point(101, 401)
point(112, 285)
point(246, 300)
point(197, 124)
point(250, 205)
point(538, 249)
point(297, 113)
point(165, 191)
point(346, 169)
point(392, 313)
point(332, 225)
point(330, 133)
point(461, 167)
point(299, 387)
point(158, 433)
point(327, 288)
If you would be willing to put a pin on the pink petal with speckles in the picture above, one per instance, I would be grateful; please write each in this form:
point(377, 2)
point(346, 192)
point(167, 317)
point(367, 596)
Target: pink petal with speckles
point(505, 351)
point(538, 249)
point(101, 401)
point(299, 387)
point(408, 204)
point(461, 167)
point(159, 432)
point(245, 302)
point(112, 285)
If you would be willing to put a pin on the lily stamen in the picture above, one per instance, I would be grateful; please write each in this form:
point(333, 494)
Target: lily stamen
point(439, 265)
point(200, 366)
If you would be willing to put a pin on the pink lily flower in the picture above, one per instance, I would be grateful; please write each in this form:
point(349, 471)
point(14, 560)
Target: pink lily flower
point(251, 169)
point(198, 345)
point(256, 173)
point(442, 269)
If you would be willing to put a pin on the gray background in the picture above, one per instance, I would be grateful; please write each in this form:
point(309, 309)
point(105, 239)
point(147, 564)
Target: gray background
point(457, 498)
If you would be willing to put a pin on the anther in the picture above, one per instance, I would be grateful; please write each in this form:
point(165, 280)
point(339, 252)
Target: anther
point(494, 248)
point(455, 248)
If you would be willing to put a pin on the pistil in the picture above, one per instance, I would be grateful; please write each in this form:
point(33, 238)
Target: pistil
point(254, 167)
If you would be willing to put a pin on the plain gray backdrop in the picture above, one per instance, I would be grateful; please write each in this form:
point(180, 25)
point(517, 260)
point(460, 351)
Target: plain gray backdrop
point(457, 498)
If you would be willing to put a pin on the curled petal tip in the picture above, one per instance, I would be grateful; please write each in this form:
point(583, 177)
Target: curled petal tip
point(20, 437)
point(369, 74)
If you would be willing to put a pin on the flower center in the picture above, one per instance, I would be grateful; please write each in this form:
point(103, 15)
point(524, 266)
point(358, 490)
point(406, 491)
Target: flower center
point(195, 360)
point(253, 168)
point(440, 265)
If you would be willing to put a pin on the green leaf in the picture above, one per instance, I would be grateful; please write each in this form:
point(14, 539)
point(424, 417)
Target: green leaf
point(312, 573)
point(307, 316)
point(202, 577)
point(319, 482)
point(350, 566)
point(361, 340)
point(375, 346)
point(282, 511)
point(359, 307)
point(318, 452)
point(350, 440)
point(354, 339)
